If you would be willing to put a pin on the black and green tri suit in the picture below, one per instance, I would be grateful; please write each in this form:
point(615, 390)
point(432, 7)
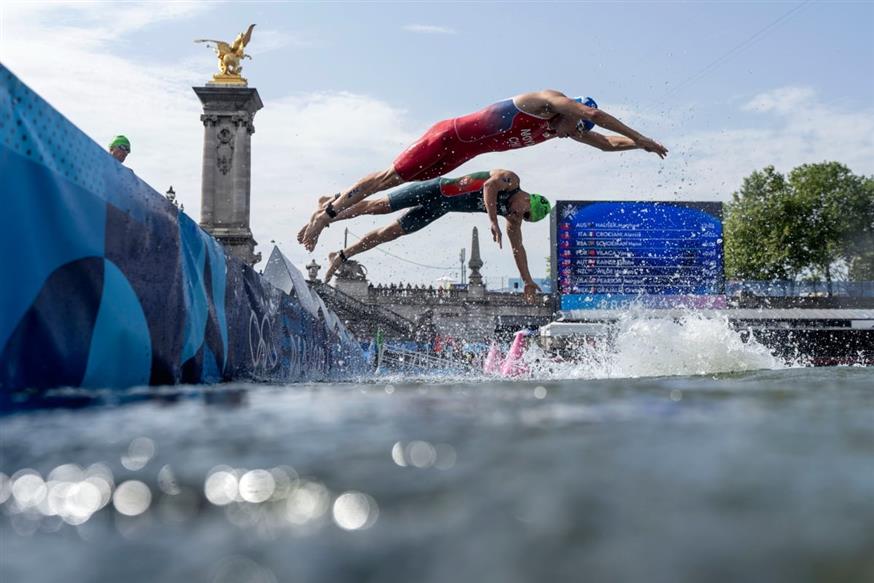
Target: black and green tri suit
point(431, 199)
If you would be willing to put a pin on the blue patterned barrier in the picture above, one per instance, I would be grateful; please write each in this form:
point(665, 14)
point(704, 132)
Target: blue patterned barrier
point(104, 283)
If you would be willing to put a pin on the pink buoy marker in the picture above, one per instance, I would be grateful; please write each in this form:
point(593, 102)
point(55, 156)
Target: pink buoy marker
point(491, 363)
point(513, 366)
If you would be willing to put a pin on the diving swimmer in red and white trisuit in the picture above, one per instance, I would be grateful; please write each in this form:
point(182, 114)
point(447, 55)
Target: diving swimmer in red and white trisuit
point(524, 120)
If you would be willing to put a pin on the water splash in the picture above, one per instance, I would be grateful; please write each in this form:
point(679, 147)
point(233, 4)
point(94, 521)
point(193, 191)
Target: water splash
point(693, 344)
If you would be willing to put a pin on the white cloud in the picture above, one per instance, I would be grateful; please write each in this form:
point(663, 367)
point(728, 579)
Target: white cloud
point(801, 129)
point(429, 29)
point(267, 40)
point(93, 20)
point(784, 100)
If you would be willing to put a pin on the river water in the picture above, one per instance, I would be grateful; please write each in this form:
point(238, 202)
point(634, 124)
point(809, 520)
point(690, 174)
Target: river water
point(694, 459)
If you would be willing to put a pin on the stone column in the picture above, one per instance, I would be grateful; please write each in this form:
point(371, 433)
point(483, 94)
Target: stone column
point(227, 117)
point(475, 287)
point(207, 176)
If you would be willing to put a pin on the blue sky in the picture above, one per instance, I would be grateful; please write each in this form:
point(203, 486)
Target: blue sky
point(347, 86)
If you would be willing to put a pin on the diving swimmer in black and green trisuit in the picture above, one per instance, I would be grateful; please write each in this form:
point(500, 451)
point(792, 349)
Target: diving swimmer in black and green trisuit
point(496, 193)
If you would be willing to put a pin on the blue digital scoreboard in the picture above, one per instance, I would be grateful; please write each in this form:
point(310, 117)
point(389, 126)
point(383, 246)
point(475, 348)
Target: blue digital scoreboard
point(610, 255)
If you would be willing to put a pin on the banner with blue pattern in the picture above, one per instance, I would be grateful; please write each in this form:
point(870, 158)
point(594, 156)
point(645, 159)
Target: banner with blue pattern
point(105, 283)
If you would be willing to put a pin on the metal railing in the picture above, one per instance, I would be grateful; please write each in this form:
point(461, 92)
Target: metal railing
point(399, 359)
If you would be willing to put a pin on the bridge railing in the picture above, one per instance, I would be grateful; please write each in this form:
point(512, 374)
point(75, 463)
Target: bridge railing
point(413, 292)
point(351, 304)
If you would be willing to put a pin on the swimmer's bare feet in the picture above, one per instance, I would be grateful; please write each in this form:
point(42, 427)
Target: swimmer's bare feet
point(335, 260)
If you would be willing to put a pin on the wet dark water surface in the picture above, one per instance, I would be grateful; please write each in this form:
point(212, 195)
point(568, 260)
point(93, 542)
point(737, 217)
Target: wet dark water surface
point(760, 476)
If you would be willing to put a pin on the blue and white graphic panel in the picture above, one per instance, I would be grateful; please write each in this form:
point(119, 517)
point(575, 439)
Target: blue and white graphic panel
point(609, 255)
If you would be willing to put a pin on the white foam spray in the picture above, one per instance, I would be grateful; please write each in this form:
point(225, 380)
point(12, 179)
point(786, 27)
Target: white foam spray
point(693, 344)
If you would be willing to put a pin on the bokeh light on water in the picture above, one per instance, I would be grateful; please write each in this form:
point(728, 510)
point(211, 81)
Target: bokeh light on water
point(307, 503)
point(222, 486)
point(355, 511)
point(28, 488)
point(140, 451)
point(421, 454)
point(5, 488)
point(167, 481)
point(257, 486)
point(267, 500)
point(132, 498)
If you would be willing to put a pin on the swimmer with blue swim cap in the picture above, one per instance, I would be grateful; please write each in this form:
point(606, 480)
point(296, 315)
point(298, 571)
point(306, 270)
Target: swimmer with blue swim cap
point(522, 121)
point(494, 192)
point(585, 125)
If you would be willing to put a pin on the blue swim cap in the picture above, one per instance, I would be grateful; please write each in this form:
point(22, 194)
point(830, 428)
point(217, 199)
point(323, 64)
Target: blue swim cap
point(585, 125)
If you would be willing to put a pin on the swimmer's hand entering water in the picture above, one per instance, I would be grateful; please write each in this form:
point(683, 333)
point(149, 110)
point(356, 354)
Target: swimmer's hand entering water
point(496, 235)
point(531, 290)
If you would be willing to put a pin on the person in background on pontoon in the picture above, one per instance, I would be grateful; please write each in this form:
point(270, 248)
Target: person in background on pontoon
point(119, 147)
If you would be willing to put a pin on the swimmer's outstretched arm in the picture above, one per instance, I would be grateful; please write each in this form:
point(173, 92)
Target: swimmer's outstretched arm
point(560, 103)
point(606, 143)
point(514, 234)
point(498, 180)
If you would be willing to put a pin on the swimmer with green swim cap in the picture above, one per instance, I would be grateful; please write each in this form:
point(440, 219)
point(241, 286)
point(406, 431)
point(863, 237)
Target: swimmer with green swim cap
point(495, 192)
point(540, 207)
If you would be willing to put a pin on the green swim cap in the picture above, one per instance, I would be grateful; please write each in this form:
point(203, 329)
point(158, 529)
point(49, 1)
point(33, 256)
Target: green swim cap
point(539, 207)
point(120, 141)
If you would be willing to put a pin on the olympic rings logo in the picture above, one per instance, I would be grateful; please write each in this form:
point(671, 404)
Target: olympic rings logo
point(261, 346)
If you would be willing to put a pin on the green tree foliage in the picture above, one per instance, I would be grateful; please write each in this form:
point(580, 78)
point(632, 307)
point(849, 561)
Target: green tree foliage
point(780, 228)
point(861, 262)
point(754, 248)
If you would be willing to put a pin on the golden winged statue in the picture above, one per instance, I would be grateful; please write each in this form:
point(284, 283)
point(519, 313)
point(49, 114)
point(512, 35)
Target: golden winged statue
point(229, 57)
